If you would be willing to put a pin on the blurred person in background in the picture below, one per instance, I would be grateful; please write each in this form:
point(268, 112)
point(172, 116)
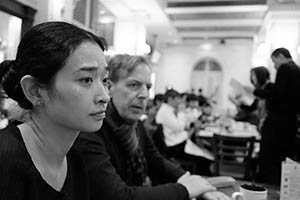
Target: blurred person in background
point(176, 132)
point(201, 98)
point(280, 126)
point(193, 110)
point(254, 113)
point(151, 110)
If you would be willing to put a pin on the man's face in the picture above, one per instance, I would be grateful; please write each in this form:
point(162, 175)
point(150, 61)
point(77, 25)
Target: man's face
point(130, 93)
point(193, 104)
point(277, 61)
point(174, 102)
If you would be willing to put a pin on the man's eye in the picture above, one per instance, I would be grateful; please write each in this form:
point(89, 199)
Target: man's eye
point(86, 80)
point(106, 82)
point(149, 87)
point(132, 85)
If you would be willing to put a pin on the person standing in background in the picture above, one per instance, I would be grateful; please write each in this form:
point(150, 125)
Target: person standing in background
point(280, 126)
point(59, 76)
point(255, 113)
point(260, 78)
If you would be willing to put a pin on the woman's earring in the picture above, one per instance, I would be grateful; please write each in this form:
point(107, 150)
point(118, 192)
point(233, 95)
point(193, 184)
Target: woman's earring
point(39, 103)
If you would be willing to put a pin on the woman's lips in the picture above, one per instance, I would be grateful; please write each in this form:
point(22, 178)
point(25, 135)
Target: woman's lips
point(99, 115)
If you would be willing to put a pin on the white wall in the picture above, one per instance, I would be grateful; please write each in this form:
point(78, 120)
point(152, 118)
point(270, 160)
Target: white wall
point(177, 62)
point(9, 35)
point(50, 10)
point(30, 3)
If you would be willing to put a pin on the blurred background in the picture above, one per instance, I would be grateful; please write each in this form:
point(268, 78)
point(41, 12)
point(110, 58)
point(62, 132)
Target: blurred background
point(192, 44)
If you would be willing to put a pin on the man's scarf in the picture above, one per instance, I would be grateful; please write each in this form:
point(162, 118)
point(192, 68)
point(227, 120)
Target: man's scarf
point(129, 143)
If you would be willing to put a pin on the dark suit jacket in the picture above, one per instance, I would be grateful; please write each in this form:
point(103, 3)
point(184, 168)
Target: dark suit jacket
point(280, 126)
point(107, 168)
point(284, 96)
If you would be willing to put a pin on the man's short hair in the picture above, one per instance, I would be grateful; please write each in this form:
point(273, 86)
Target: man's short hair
point(122, 65)
point(159, 97)
point(282, 51)
point(171, 93)
point(191, 97)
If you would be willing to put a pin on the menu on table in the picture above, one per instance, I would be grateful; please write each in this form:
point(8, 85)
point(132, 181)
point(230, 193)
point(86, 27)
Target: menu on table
point(290, 180)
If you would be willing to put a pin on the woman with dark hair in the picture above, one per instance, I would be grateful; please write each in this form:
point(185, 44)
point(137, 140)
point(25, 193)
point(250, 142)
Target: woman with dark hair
point(260, 78)
point(255, 113)
point(59, 76)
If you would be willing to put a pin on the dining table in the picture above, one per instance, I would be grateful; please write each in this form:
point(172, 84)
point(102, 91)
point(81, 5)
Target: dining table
point(273, 190)
point(235, 129)
point(205, 135)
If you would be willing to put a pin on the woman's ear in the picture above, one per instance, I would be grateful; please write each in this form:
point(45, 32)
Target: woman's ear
point(31, 89)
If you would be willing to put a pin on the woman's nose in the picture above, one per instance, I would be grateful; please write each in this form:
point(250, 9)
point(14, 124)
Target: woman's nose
point(102, 95)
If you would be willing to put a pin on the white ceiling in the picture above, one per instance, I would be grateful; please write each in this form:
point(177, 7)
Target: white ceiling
point(174, 21)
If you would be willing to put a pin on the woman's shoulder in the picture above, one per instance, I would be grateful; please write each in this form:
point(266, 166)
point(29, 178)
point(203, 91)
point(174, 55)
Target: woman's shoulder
point(14, 158)
point(11, 141)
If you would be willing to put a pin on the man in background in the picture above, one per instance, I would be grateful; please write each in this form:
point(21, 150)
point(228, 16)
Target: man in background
point(280, 126)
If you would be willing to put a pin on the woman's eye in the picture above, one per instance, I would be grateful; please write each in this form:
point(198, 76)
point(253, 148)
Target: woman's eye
point(86, 80)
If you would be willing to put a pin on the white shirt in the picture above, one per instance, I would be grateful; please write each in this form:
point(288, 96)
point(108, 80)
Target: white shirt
point(173, 126)
point(192, 115)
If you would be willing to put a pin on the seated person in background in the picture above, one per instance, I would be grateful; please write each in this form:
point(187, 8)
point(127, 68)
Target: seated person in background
point(192, 110)
point(14, 113)
point(174, 122)
point(201, 98)
point(207, 116)
point(54, 78)
point(149, 122)
point(158, 100)
point(121, 157)
point(182, 102)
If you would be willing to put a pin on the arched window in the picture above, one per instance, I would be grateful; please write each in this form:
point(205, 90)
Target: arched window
point(214, 66)
point(207, 75)
point(208, 64)
point(200, 66)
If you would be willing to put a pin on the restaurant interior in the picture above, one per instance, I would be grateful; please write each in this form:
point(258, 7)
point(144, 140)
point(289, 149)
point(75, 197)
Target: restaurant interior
point(203, 49)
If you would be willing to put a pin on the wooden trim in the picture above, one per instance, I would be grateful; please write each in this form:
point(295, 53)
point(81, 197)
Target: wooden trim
point(20, 10)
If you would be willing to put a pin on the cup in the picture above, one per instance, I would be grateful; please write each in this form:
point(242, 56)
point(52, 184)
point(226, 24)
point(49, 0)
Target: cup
point(250, 192)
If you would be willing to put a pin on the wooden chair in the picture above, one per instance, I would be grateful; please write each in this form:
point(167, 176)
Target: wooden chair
point(233, 156)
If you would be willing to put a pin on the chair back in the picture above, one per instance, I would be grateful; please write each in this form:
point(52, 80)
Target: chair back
point(235, 153)
point(159, 140)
